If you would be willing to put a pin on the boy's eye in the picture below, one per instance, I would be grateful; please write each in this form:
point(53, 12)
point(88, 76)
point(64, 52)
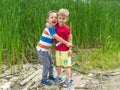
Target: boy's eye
point(53, 17)
point(62, 18)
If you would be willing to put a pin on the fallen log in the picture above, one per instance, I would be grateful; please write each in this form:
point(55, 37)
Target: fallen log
point(36, 82)
point(23, 82)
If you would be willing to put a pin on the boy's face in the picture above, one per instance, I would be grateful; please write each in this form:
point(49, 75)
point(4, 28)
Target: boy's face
point(52, 19)
point(62, 20)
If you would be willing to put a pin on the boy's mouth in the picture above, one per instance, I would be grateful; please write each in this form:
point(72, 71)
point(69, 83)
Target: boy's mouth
point(54, 22)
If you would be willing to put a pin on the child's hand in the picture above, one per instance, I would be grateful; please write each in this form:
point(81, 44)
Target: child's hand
point(49, 25)
point(70, 52)
point(69, 44)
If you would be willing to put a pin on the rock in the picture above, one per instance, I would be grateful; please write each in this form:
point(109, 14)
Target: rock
point(90, 75)
point(6, 86)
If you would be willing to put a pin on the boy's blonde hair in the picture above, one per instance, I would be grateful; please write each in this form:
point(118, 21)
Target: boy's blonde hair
point(63, 12)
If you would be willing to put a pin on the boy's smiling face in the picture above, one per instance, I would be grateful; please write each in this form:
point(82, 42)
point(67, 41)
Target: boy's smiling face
point(52, 19)
point(62, 20)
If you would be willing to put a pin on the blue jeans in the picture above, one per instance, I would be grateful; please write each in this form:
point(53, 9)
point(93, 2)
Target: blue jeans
point(45, 58)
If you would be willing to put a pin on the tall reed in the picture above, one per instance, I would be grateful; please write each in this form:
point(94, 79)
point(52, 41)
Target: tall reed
point(94, 24)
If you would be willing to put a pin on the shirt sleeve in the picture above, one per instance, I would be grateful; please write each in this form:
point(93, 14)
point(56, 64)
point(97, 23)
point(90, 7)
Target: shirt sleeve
point(52, 30)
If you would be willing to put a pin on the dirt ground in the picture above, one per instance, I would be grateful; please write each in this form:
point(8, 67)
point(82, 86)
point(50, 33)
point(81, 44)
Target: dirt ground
point(108, 80)
point(30, 74)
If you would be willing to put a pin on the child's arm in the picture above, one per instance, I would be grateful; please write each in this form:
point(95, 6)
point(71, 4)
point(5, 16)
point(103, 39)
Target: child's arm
point(62, 40)
point(49, 25)
point(52, 30)
point(70, 48)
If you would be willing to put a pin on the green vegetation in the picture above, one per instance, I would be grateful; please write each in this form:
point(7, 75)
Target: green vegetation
point(95, 26)
point(89, 59)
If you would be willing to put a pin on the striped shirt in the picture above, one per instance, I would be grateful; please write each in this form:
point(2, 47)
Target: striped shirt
point(46, 40)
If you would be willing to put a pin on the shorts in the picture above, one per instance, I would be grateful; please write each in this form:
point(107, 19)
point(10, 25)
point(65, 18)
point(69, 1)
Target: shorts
point(63, 59)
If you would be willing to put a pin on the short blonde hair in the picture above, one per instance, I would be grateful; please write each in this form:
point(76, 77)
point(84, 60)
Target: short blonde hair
point(63, 12)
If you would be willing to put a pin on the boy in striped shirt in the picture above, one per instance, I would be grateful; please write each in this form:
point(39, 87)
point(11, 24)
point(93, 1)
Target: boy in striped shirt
point(44, 48)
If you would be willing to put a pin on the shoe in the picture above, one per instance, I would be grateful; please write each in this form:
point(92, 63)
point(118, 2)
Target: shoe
point(67, 83)
point(52, 77)
point(46, 82)
point(58, 80)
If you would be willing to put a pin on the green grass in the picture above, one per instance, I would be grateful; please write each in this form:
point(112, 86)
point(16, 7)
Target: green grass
point(94, 24)
point(93, 59)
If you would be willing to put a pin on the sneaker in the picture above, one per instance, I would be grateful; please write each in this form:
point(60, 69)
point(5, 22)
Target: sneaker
point(52, 77)
point(67, 83)
point(46, 82)
point(58, 80)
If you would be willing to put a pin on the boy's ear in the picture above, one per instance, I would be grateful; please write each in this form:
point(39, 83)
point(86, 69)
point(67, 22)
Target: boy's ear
point(67, 19)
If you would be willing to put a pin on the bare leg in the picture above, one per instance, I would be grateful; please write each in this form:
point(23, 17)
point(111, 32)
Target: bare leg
point(59, 71)
point(68, 72)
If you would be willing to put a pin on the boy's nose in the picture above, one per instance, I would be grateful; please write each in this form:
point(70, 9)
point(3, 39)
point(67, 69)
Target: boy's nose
point(54, 18)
